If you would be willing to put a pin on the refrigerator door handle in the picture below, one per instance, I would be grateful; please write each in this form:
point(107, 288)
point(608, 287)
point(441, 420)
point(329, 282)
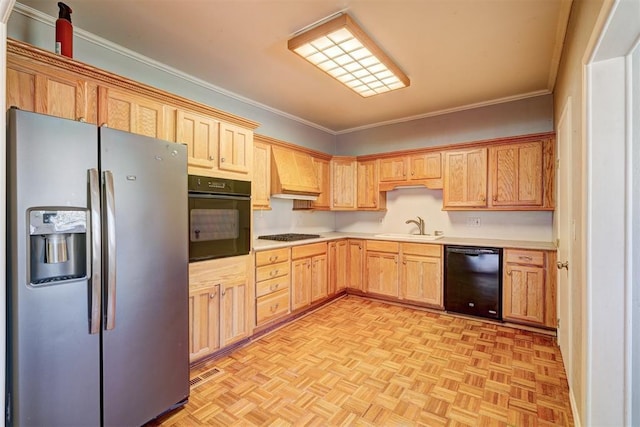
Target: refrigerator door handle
point(110, 211)
point(96, 247)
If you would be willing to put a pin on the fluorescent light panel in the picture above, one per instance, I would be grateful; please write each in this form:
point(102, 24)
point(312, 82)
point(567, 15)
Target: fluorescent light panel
point(341, 49)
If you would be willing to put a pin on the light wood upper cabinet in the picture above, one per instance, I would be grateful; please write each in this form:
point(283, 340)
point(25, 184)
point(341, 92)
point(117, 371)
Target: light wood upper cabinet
point(465, 178)
point(235, 151)
point(393, 169)
point(323, 172)
point(368, 195)
point(200, 134)
point(529, 287)
point(516, 174)
point(59, 94)
point(261, 185)
point(344, 183)
point(421, 273)
point(425, 166)
point(131, 113)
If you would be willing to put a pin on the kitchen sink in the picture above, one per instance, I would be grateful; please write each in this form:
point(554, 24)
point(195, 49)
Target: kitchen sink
point(423, 237)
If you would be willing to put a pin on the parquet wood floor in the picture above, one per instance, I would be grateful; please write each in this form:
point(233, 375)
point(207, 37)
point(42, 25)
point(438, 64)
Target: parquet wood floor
point(362, 362)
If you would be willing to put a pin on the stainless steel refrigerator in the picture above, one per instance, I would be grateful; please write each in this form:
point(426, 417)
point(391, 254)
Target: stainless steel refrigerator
point(97, 265)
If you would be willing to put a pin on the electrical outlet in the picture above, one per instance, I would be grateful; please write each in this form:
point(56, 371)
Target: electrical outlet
point(473, 221)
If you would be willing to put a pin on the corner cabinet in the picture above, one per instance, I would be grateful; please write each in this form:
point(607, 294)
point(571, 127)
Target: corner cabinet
point(219, 304)
point(529, 287)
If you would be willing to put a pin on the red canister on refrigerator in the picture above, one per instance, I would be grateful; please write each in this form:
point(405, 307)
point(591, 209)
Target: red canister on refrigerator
point(64, 31)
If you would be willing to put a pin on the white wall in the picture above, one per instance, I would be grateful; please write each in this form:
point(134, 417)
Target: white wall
point(282, 219)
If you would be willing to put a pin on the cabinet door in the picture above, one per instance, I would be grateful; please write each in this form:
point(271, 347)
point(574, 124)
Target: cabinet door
point(422, 279)
point(368, 194)
point(131, 113)
point(60, 94)
point(355, 264)
point(426, 166)
point(524, 293)
point(323, 172)
point(200, 134)
point(234, 319)
point(204, 322)
point(300, 283)
point(342, 251)
point(465, 178)
point(393, 169)
point(516, 174)
point(319, 278)
point(382, 273)
point(343, 188)
point(235, 151)
point(261, 184)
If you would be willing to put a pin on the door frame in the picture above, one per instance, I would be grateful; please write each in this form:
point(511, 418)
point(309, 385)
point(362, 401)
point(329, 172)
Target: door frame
point(565, 235)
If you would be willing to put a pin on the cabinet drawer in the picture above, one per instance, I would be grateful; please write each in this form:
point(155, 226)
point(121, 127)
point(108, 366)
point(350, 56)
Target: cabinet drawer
point(383, 246)
point(272, 271)
point(266, 287)
point(272, 256)
point(425, 249)
point(272, 306)
point(305, 251)
point(519, 256)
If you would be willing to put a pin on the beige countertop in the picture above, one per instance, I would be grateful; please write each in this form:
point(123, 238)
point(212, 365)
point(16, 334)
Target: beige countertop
point(261, 245)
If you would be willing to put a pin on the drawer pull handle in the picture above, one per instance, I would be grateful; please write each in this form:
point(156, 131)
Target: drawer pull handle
point(274, 307)
point(274, 287)
point(272, 258)
point(526, 258)
point(273, 272)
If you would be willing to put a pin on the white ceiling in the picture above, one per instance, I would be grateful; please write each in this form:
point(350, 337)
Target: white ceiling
point(457, 53)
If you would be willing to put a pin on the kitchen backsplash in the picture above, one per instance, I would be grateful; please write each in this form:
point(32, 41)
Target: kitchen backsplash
point(402, 205)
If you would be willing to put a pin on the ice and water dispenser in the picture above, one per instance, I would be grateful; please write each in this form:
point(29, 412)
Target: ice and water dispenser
point(57, 245)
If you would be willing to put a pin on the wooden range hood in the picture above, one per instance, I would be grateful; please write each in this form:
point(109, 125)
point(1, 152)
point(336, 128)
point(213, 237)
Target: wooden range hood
point(293, 175)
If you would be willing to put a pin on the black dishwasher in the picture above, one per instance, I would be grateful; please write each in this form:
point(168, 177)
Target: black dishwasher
point(473, 281)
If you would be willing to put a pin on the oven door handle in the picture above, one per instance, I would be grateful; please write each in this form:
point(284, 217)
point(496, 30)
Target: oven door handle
point(217, 196)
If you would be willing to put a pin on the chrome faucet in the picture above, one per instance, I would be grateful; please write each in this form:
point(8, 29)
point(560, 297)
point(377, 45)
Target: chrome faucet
point(419, 223)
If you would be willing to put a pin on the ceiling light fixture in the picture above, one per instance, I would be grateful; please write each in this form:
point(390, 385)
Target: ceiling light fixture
point(340, 48)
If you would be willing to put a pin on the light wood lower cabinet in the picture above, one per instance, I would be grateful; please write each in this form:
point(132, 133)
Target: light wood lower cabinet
point(355, 264)
point(219, 304)
point(204, 321)
point(338, 254)
point(381, 268)
point(421, 273)
point(308, 274)
point(529, 287)
point(273, 282)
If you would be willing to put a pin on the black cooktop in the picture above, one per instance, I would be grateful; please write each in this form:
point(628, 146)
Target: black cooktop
point(289, 237)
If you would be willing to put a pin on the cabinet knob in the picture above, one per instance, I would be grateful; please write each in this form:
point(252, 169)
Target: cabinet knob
point(82, 120)
point(483, 198)
point(105, 125)
point(222, 160)
point(210, 157)
point(213, 295)
point(413, 173)
point(508, 272)
point(224, 292)
point(495, 198)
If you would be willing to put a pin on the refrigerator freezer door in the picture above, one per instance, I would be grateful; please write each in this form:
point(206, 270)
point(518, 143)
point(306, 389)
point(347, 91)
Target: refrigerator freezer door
point(54, 361)
point(145, 355)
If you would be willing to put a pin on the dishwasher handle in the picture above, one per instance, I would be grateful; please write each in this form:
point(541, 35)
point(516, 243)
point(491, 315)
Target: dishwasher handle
point(471, 251)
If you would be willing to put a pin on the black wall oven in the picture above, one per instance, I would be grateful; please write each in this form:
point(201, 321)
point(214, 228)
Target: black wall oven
point(219, 217)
